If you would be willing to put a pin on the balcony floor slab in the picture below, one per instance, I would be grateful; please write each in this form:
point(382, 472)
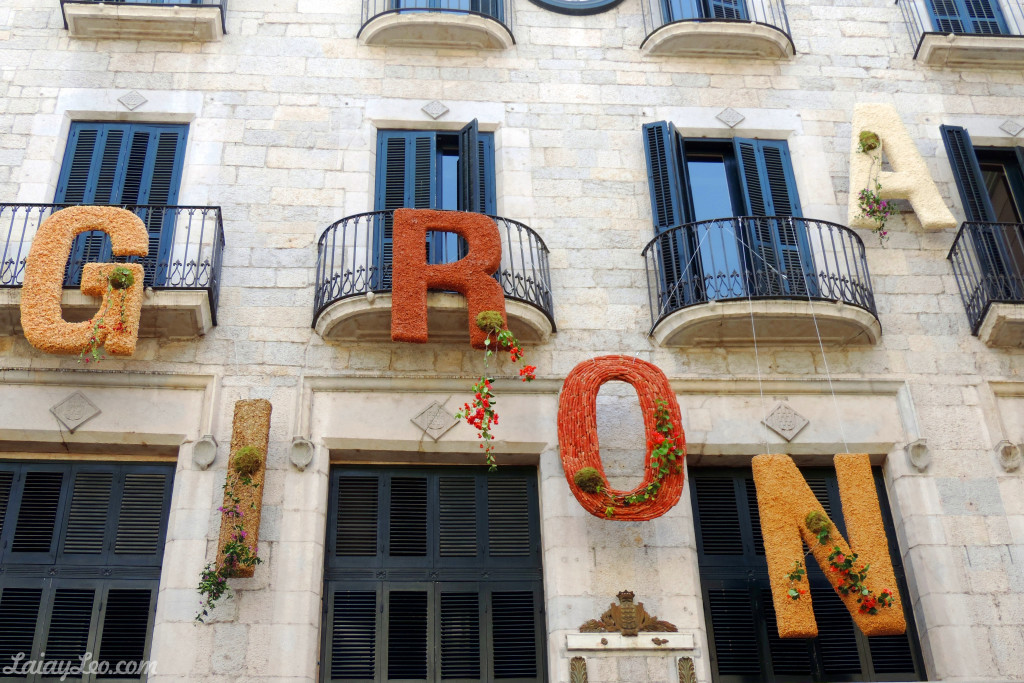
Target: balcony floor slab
point(143, 22)
point(436, 29)
point(791, 322)
point(166, 314)
point(967, 51)
point(728, 39)
point(368, 318)
point(1003, 326)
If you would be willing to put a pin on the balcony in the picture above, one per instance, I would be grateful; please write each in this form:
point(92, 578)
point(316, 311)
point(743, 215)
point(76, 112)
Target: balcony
point(474, 24)
point(353, 283)
point(764, 280)
point(732, 29)
point(182, 270)
point(988, 263)
point(986, 34)
point(181, 20)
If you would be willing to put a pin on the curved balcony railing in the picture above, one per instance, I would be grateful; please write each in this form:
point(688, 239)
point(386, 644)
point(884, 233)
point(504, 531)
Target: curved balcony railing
point(353, 259)
point(186, 246)
point(659, 13)
point(753, 257)
point(498, 10)
point(988, 263)
point(998, 18)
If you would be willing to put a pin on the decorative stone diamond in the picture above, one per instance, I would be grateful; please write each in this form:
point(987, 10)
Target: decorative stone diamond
point(435, 110)
point(435, 420)
point(74, 411)
point(1012, 127)
point(730, 117)
point(785, 421)
point(132, 100)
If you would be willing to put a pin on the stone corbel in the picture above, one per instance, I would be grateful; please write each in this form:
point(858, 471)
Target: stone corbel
point(1009, 455)
point(918, 454)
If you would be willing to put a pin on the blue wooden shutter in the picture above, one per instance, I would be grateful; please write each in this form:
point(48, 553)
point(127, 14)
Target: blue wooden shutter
point(967, 16)
point(406, 169)
point(470, 169)
point(726, 9)
point(779, 255)
point(124, 164)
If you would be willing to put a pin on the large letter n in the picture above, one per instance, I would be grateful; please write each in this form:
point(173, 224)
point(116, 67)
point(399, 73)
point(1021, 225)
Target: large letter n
point(471, 275)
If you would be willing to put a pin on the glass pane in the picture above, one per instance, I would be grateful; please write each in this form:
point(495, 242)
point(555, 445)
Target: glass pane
point(998, 187)
point(718, 248)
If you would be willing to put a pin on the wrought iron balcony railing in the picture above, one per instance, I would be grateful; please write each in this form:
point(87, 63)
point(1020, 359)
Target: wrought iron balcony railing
point(988, 263)
point(753, 257)
point(499, 10)
point(991, 18)
point(222, 4)
point(354, 258)
point(658, 13)
point(186, 246)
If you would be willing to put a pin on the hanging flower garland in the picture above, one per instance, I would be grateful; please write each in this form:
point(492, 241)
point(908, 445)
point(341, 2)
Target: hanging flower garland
point(120, 279)
point(480, 414)
point(870, 202)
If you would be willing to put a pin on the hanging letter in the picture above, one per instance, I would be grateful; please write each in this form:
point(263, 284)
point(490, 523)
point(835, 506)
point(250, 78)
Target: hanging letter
point(472, 275)
point(909, 179)
point(789, 510)
point(41, 316)
point(577, 439)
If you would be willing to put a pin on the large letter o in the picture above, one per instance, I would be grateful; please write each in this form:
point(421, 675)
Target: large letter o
point(577, 434)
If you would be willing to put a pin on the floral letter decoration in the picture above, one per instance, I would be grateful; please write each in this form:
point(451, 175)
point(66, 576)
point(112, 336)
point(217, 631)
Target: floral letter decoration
point(472, 275)
point(237, 547)
point(116, 323)
point(791, 516)
point(665, 443)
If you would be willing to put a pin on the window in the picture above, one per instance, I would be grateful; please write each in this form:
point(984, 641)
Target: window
point(710, 200)
point(744, 641)
point(677, 10)
point(80, 549)
point(127, 165)
point(432, 170)
point(433, 575)
point(990, 181)
point(491, 8)
point(967, 16)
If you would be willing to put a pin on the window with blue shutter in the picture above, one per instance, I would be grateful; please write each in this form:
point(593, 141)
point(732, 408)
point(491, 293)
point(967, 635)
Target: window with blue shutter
point(433, 575)
point(431, 170)
point(990, 181)
point(124, 164)
point(707, 184)
point(967, 16)
point(680, 10)
point(743, 638)
point(80, 553)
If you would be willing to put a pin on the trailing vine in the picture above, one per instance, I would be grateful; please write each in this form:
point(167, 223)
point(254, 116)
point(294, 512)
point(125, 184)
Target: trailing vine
point(870, 202)
point(480, 414)
point(120, 279)
point(238, 553)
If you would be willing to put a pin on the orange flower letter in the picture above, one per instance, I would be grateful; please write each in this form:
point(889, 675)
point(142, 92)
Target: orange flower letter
point(41, 316)
point(577, 439)
point(786, 504)
point(472, 275)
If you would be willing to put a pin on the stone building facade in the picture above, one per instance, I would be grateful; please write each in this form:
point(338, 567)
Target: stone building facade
point(282, 107)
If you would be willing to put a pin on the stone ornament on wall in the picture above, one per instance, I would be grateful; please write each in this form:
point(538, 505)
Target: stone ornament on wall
point(250, 428)
point(627, 618)
point(784, 501)
point(472, 275)
point(578, 443)
point(74, 411)
point(687, 673)
point(41, 316)
point(578, 670)
point(909, 179)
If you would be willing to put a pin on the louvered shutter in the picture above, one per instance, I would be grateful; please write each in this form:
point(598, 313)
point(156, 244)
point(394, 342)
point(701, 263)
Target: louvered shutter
point(407, 533)
point(457, 509)
point(125, 626)
point(19, 616)
point(779, 254)
point(988, 241)
point(471, 179)
point(142, 514)
point(667, 181)
point(405, 179)
point(352, 640)
point(408, 634)
point(727, 9)
point(89, 513)
point(6, 480)
point(37, 511)
point(356, 517)
point(967, 16)
point(460, 633)
point(508, 518)
point(514, 622)
point(71, 624)
point(738, 605)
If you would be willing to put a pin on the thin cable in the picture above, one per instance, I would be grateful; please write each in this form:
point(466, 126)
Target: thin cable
point(757, 364)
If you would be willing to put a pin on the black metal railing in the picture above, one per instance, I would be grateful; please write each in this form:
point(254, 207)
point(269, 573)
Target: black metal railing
point(988, 264)
point(658, 13)
point(753, 257)
point(186, 246)
point(354, 258)
point(499, 10)
point(998, 18)
point(222, 4)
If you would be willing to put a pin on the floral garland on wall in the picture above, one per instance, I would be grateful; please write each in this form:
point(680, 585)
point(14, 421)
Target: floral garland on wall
point(869, 200)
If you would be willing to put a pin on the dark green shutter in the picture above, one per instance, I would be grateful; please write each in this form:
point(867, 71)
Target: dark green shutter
point(356, 516)
point(408, 634)
point(19, 614)
point(459, 634)
point(140, 524)
point(781, 258)
point(353, 635)
point(741, 620)
point(407, 534)
point(71, 625)
point(6, 480)
point(126, 623)
point(457, 508)
point(967, 174)
point(90, 509)
point(37, 512)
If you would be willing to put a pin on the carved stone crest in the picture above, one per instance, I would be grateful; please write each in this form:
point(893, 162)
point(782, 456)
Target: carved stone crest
point(785, 421)
point(74, 411)
point(627, 617)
